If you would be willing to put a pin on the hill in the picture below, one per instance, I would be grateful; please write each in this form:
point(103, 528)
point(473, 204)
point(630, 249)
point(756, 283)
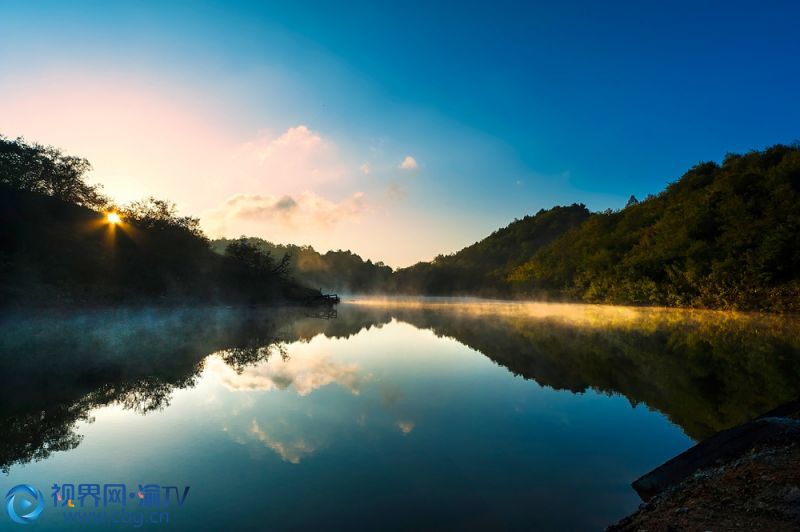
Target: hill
point(334, 271)
point(58, 246)
point(483, 267)
point(722, 236)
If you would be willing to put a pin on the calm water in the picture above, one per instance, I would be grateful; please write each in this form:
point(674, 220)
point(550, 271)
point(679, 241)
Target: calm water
point(388, 414)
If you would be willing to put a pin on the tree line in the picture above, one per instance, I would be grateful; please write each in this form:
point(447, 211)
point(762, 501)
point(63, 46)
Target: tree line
point(723, 236)
point(57, 246)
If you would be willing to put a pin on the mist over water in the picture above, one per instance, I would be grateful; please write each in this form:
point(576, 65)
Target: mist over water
point(385, 412)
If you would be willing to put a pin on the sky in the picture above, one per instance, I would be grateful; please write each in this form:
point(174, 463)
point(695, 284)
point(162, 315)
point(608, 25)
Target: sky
point(397, 130)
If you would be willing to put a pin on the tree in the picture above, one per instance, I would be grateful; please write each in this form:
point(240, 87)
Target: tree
point(152, 213)
point(254, 260)
point(45, 170)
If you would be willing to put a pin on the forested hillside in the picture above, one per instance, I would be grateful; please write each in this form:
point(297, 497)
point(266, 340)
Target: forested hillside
point(334, 271)
point(483, 267)
point(722, 236)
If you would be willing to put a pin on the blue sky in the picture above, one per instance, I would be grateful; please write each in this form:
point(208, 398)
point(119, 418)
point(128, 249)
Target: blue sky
point(291, 120)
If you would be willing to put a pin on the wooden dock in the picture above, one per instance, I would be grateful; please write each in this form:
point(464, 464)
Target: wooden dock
point(325, 299)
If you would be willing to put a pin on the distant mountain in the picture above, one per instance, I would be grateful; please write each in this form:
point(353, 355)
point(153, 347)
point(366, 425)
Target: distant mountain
point(722, 236)
point(334, 271)
point(483, 267)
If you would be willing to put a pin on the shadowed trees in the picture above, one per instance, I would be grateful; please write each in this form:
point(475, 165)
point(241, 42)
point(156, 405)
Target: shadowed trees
point(478, 269)
point(247, 265)
point(45, 170)
point(161, 215)
point(336, 271)
point(56, 246)
point(722, 236)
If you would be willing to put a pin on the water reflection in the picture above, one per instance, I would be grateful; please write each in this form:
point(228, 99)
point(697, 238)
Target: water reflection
point(302, 374)
point(704, 370)
point(56, 368)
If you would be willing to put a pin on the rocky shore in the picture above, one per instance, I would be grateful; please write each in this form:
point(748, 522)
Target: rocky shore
point(745, 478)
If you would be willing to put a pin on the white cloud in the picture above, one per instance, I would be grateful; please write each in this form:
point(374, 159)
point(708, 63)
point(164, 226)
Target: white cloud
point(409, 163)
point(299, 156)
point(307, 210)
point(365, 168)
point(285, 174)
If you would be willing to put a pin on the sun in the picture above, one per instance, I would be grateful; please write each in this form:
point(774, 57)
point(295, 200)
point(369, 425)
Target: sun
point(113, 218)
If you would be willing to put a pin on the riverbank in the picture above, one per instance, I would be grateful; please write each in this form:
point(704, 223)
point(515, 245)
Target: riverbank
point(759, 491)
point(747, 478)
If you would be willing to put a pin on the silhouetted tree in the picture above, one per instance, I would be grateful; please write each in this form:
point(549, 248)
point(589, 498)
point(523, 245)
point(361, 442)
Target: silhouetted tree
point(45, 170)
point(250, 257)
point(338, 271)
point(55, 247)
point(155, 214)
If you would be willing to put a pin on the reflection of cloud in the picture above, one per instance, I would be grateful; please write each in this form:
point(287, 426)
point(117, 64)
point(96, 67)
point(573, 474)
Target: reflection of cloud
point(289, 452)
point(391, 394)
point(409, 163)
point(405, 426)
point(304, 373)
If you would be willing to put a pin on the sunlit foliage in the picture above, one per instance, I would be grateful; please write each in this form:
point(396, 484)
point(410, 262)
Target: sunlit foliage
point(723, 236)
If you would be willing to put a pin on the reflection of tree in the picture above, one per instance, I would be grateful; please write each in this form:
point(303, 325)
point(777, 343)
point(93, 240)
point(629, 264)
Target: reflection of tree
point(148, 394)
point(239, 358)
point(705, 371)
point(32, 436)
point(132, 358)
